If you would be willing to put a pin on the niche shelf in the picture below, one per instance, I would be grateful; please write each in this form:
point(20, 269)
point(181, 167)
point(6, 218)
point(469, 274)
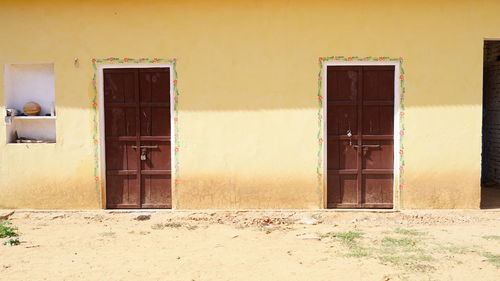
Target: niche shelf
point(33, 117)
point(24, 83)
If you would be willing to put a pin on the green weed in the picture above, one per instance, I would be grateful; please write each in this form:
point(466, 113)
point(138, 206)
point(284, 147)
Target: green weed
point(452, 249)
point(404, 252)
point(398, 242)
point(491, 237)
point(346, 237)
point(6, 230)
point(408, 232)
point(391, 259)
point(494, 259)
point(356, 251)
point(349, 240)
point(12, 242)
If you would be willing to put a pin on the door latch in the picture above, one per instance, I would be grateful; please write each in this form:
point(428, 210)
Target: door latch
point(349, 135)
point(144, 150)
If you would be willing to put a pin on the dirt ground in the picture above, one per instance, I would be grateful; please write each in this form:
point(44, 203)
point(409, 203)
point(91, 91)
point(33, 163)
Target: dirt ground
point(254, 245)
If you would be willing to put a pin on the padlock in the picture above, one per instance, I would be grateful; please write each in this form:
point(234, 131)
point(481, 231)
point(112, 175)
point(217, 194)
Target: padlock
point(143, 156)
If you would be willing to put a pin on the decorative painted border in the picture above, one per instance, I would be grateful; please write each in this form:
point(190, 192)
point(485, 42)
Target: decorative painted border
point(95, 127)
point(320, 137)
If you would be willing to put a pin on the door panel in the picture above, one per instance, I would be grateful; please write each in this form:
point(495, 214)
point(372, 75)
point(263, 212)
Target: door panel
point(156, 156)
point(341, 119)
point(343, 189)
point(137, 128)
point(155, 120)
point(155, 82)
point(343, 83)
point(378, 83)
point(360, 101)
point(377, 120)
point(155, 195)
point(125, 193)
point(375, 189)
point(120, 85)
point(123, 155)
point(341, 155)
point(379, 155)
point(120, 121)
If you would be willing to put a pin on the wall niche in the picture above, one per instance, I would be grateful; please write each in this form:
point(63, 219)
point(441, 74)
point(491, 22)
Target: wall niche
point(30, 83)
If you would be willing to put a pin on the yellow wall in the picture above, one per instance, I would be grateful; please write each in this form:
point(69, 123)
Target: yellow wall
point(248, 80)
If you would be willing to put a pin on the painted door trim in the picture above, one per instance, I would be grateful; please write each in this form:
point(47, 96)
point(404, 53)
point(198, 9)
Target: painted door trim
point(102, 136)
point(396, 129)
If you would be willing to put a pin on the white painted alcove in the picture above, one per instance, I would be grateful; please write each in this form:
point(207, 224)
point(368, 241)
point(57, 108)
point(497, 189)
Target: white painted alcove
point(25, 83)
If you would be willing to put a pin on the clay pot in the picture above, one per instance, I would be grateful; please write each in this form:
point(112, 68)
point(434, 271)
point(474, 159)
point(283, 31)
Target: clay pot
point(32, 108)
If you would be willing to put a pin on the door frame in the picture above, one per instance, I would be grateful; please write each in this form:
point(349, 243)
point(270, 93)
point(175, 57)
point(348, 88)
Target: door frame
point(396, 128)
point(102, 133)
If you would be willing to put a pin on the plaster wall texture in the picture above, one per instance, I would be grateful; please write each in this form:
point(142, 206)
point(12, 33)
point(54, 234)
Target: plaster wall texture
point(248, 83)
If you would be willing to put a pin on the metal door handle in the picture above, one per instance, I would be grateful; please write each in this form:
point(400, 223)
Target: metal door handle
point(145, 146)
point(367, 146)
point(371, 145)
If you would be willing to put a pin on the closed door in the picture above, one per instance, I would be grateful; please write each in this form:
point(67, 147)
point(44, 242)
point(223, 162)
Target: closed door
point(137, 132)
point(360, 136)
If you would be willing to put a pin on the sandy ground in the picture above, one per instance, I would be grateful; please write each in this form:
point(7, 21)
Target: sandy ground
point(254, 245)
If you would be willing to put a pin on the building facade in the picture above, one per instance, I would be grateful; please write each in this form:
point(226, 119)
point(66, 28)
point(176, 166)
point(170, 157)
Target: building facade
point(243, 104)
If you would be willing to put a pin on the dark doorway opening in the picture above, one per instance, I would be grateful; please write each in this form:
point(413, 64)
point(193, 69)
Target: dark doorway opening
point(490, 156)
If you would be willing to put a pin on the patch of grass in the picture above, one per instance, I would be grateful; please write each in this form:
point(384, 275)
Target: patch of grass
point(391, 259)
point(6, 230)
point(404, 252)
point(349, 240)
point(398, 242)
point(421, 257)
point(453, 249)
point(12, 242)
point(356, 251)
point(410, 232)
point(413, 262)
point(346, 237)
point(389, 250)
point(494, 259)
point(491, 237)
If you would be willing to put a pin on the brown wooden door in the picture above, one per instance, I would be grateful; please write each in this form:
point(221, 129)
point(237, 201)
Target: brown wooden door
point(360, 103)
point(137, 132)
